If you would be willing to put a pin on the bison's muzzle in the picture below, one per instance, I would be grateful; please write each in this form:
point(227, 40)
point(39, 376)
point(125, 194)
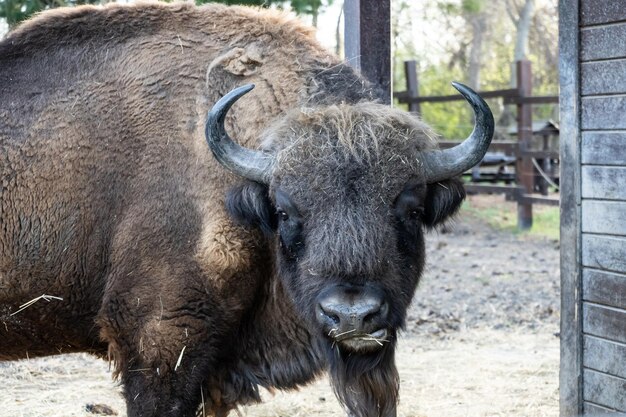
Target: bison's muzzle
point(354, 317)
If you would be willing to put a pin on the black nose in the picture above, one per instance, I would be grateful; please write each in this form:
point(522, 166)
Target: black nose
point(353, 309)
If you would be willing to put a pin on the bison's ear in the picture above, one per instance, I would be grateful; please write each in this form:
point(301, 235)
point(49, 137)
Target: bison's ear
point(443, 199)
point(249, 204)
point(239, 61)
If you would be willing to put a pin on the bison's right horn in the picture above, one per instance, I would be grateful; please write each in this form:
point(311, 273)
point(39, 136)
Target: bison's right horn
point(254, 165)
point(442, 164)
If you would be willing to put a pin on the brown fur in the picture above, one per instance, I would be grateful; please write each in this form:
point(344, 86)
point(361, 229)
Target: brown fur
point(110, 197)
point(111, 200)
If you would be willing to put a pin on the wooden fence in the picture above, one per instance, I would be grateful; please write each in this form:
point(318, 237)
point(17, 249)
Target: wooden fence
point(523, 191)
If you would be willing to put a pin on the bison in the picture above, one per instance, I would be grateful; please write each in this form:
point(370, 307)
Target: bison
point(293, 250)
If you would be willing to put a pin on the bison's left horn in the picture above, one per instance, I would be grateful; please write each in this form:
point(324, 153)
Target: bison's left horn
point(442, 164)
point(254, 165)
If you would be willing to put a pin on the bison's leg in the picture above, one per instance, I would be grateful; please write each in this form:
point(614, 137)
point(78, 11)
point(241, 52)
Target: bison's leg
point(163, 344)
point(165, 390)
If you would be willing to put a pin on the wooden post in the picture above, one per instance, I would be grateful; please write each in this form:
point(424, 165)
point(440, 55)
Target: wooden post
point(368, 41)
point(545, 166)
point(571, 374)
point(412, 85)
point(524, 168)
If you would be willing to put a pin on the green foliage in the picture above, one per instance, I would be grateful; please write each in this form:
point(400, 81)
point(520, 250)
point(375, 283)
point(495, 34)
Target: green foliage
point(450, 119)
point(14, 11)
point(472, 6)
point(311, 7)
point(264, 3)
point(438, 36)
point(466, 6)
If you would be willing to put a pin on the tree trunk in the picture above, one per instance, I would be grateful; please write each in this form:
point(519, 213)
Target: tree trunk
point(339, 45)
point(479, 23)
point(522, 27)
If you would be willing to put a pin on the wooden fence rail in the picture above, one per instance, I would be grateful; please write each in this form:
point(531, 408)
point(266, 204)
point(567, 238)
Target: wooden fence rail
point(525, 171)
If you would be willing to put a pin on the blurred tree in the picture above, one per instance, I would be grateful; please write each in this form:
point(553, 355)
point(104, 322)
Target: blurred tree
point(14, 11)
point(449, 42)
point(308, 7)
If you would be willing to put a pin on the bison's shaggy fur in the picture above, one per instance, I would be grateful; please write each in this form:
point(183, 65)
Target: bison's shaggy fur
point(111, 200)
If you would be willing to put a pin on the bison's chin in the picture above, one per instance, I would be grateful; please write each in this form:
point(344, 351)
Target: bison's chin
point(365, 382)
point(365, 343)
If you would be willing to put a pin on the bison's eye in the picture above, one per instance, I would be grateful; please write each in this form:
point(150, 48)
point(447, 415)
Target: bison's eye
point(282, 215)
point(416, 214)
point(289, 225)
point(409, 205)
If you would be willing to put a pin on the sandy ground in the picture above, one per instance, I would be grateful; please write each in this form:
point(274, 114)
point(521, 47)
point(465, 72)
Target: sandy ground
point(481, 340)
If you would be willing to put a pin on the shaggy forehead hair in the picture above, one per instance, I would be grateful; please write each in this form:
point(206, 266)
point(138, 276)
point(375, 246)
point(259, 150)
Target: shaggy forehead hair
point(364, 142)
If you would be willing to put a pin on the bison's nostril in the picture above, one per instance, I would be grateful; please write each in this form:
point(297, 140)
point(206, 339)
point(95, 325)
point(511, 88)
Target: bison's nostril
point(333, 317)
point(370, 317)
point(328, 312)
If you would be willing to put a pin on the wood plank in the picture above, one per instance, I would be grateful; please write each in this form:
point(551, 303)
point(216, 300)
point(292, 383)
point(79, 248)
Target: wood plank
point(603, 42)
point(594, 410)
point(507, 146)
point(604, 390)
point(536, 100)
point(604, 77)
point(605, 322)
point(604, 148)
point(605, 356)
point(604, 252)
point(604, 183)
point(495, 189)
point(509, 95)
point(540, 199)
point(593, 12)
point(606, 217)
point(603, 113)
point(570, 375)
point(524, 170)
point(604, 288)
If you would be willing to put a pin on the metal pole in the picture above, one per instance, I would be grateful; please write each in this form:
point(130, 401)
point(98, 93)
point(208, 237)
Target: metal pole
point(368, 41)
point(524, 167)
point(412, 84)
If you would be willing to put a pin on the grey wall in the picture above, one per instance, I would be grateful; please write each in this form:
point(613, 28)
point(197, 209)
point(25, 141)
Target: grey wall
point(593, 222)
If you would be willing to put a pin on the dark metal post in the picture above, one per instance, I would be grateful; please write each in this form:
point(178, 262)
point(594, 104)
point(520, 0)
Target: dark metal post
point(524, 167)
point(368, 40)
point(412, 85)
point(545, 165)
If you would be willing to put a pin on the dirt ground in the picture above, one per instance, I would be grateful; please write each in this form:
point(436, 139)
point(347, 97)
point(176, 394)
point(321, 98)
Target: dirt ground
point(481, 341)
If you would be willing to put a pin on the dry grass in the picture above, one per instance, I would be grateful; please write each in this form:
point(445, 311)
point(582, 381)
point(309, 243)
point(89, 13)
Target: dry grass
point(483, 373)
point(57, 386)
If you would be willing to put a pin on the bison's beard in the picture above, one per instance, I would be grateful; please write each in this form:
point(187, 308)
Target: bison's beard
point(366, 384)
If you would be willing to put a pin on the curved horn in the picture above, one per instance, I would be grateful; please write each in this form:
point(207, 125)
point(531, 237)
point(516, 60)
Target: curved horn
point(254, 165)
point(447, 163)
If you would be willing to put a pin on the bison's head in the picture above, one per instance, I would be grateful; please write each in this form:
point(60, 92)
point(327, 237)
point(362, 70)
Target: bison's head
point(347, 191)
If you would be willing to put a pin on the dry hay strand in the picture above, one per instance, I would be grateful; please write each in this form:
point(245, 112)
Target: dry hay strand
point(34, 300)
